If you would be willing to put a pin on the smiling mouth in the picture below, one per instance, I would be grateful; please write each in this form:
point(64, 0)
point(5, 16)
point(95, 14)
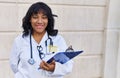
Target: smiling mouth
point(40, 26)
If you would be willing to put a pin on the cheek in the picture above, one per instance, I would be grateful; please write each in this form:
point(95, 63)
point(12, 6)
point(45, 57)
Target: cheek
point(46, 22)
point(33, 22)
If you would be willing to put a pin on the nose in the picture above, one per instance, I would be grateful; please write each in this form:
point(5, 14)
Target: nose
point(40, 20)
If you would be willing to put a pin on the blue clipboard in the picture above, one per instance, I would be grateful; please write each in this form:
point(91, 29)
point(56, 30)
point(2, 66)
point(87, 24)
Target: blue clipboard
point(63, 57)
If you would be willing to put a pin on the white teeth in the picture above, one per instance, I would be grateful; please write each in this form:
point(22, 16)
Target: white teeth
point(39, 26)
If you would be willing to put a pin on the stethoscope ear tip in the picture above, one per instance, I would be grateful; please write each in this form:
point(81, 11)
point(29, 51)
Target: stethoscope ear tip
point(39, 48)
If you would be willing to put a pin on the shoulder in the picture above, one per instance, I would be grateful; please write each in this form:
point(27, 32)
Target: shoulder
point(60, 42)
point(58, 38)
point(20, 39)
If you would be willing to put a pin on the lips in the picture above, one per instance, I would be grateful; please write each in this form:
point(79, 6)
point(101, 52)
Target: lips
point(39, 26)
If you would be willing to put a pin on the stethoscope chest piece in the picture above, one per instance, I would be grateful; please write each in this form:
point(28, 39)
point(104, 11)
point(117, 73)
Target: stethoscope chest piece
point(31, 61)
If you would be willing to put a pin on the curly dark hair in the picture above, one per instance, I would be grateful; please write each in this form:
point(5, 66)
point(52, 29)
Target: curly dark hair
point(34, 9)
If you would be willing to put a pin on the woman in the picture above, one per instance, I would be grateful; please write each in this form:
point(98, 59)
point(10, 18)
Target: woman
point(37, 44)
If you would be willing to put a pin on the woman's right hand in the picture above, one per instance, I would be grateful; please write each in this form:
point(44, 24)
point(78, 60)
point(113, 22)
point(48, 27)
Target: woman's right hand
point(47, 66)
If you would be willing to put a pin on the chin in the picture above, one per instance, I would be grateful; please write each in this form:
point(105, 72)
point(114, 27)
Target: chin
point(40, 31)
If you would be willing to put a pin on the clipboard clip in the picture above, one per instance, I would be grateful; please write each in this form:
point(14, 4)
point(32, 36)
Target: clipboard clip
point(69, 49)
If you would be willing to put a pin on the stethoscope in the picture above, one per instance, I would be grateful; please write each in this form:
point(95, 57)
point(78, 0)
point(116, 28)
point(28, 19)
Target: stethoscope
point(41, 54)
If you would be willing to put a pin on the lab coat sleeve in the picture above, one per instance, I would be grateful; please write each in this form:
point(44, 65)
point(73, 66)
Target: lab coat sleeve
point(62, 69)
point(14, 57)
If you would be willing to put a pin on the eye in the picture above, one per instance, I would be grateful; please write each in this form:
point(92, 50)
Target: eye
point(35, 16)
point(44, 17)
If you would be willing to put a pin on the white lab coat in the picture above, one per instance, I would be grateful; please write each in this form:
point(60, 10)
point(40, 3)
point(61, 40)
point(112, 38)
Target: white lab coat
point(20, 55)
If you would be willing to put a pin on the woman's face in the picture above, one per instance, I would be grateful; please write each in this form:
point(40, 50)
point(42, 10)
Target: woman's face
point(39, 22)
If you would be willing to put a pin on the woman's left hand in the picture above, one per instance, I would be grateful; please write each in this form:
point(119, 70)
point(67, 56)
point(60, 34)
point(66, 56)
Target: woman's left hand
point(47, 66)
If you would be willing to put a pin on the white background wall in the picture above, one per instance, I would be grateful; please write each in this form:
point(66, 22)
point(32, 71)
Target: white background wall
point(112, 48)
point(85, 24)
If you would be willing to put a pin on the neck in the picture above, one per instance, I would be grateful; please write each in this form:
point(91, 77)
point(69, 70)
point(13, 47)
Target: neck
point(38, 36)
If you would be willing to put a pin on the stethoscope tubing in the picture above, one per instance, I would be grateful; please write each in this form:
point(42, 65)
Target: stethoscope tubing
point(31, 60)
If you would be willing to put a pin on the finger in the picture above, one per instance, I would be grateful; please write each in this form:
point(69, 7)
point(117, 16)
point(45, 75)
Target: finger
point(45, 68)
point(41, 64)
point(46, 64)
point(48, 67)
point(53, 62)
